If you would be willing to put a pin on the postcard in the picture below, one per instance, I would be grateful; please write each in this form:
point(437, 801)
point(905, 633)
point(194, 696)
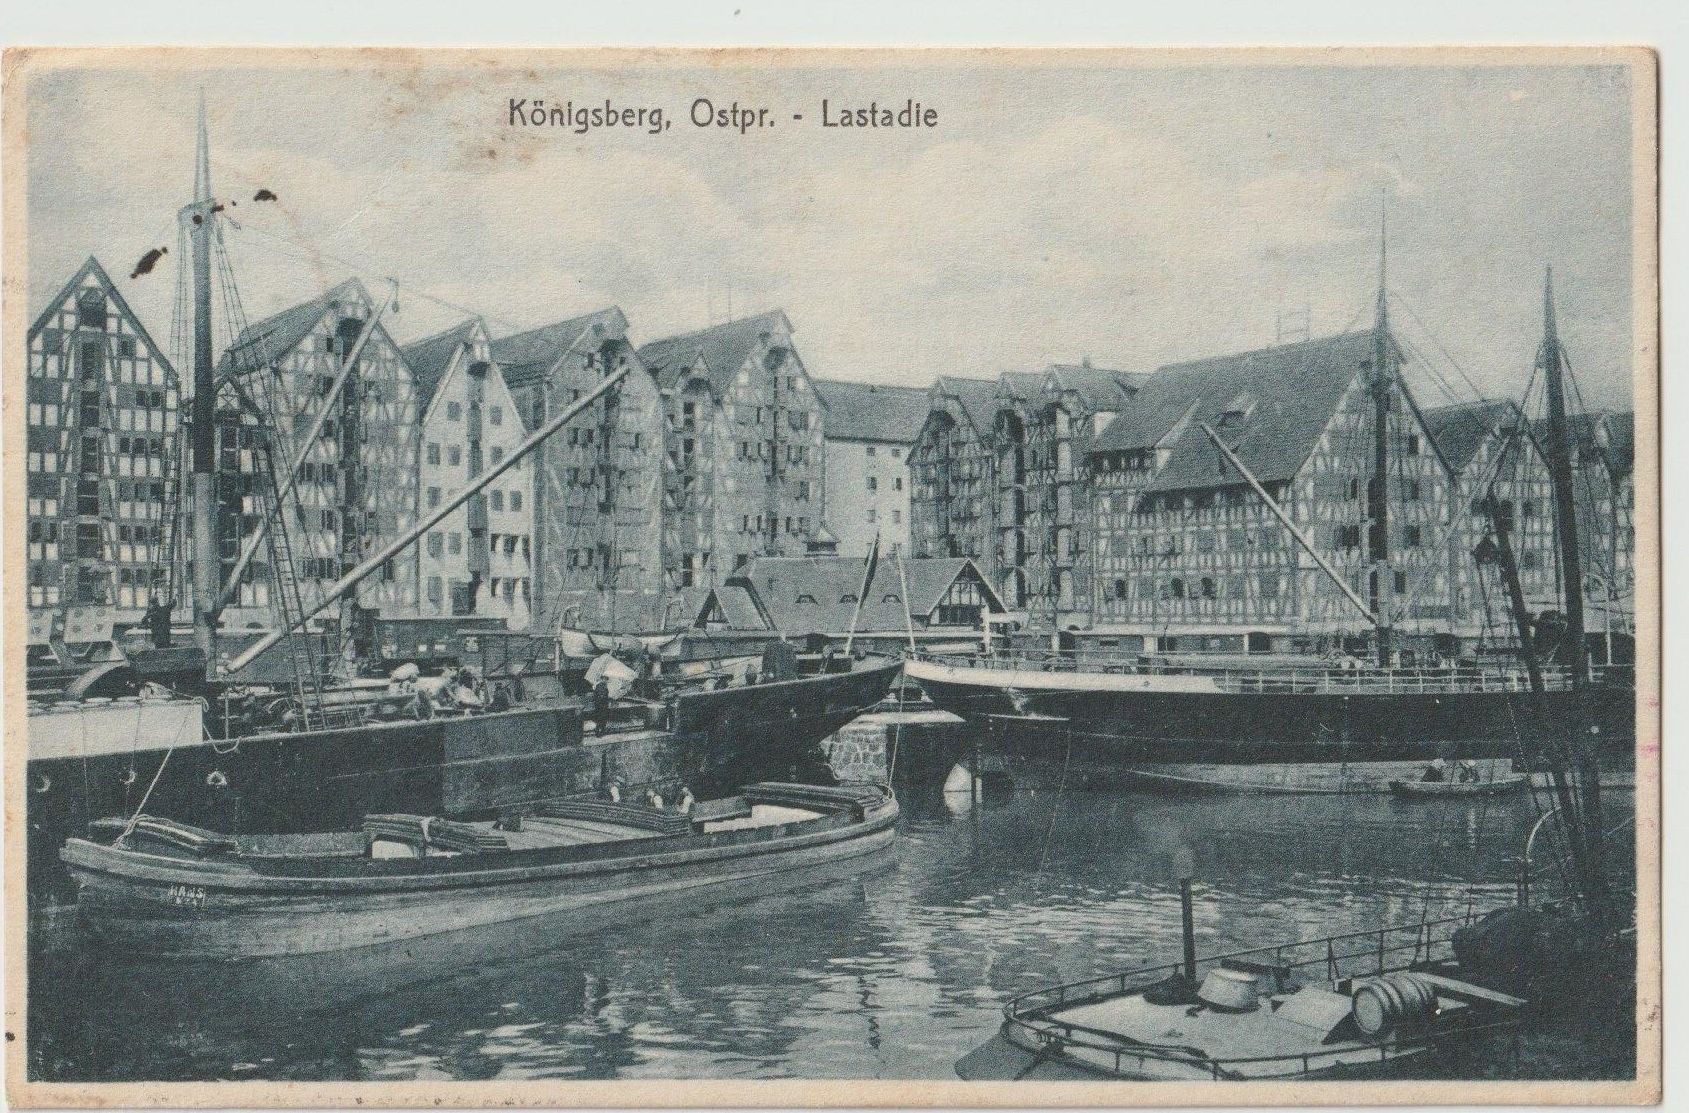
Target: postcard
point(831, 577)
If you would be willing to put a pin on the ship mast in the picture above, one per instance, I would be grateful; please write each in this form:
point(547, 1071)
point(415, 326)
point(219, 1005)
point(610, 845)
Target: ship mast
point(198, 217)
point(1585, 764)
point(1377, 488)
point(1551, 362)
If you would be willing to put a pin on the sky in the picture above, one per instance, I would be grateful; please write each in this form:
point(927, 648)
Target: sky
point(1064, 208)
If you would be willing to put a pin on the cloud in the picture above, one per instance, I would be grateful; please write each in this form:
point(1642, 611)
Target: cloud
point(1138, 216)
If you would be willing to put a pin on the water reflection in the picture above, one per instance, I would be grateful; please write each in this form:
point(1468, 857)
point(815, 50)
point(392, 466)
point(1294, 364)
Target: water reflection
point(890, 971)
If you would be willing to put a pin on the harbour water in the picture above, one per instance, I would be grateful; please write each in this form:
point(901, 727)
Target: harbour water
point(891, 970)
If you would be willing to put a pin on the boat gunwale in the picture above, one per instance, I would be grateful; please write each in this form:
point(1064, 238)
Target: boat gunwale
point(441, 718)
point(1314, 679)
point(868, 668)
point(461, 872)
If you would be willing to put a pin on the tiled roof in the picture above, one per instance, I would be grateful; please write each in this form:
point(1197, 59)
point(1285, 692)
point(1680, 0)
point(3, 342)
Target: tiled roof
point(1020, 384)
point(260, 345)
point(526, 356)
point(977, 397)
point(721, 350)
point(1584, 428)
point(431, 357)
point(1101, 389)
point(1289, 394)
point(872, 412)
point(1460, 430)
point(816, 595)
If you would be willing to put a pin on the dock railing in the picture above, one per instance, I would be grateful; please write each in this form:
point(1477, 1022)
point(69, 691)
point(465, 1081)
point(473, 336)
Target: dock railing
point(1334, 678)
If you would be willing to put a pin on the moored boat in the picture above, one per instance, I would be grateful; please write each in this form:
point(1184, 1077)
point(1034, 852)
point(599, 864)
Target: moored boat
point(1349, 778)
point(1339, 1007)
point(1442, 790)
point(166, 890)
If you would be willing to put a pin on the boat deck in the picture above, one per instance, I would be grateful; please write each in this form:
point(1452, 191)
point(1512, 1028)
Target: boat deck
point(1289, 1034)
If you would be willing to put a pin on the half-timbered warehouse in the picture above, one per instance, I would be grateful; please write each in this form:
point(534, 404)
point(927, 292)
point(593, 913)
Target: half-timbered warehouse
point(599, 482)
point(102, 404)
point(953, 475)
point(1188, 554)
point(745, 446)
point(1044, 428)
point(357, 485)
point(479, 559)
point(1492, 453)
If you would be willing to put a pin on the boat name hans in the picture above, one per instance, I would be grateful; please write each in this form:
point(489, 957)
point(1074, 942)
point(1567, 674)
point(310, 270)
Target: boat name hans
point(187, 896)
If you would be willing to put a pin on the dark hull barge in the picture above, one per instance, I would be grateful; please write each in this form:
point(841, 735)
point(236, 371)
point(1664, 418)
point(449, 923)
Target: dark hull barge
point(163, 890)
point(1308, 714)
point(1352, 1006)
point(102, 757)
point(96, 758)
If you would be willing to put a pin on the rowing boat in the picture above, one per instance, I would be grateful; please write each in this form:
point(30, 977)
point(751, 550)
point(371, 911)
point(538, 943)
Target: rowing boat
point(166, 890)
point(1513, 782)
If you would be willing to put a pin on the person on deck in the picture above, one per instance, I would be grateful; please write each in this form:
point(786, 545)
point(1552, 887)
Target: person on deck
point(1436, 772)
point(601, 706)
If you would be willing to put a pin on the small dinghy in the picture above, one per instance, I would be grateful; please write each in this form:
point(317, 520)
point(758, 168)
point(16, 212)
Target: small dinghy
point(1512, 782)
point(164, 889)
point(1278, 1012)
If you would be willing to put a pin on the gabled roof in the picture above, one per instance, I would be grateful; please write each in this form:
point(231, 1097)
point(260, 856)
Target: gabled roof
point(716, 352)
point(1291, 393)
point(872, 412)
point(1099, 388)
point(977, 397)
point(1460, 430)
point(431, 357)
point(527, 356)
point(260, 345)
point(738, 607)
point(1020, 384)
point(817, 595)
point(91, 268)
point(1588, 430)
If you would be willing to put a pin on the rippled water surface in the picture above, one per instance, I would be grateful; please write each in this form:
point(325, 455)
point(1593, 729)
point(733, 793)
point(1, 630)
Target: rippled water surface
point(893, 971)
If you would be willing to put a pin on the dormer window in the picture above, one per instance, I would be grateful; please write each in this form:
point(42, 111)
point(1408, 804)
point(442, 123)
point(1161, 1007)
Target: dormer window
point(1238, 409)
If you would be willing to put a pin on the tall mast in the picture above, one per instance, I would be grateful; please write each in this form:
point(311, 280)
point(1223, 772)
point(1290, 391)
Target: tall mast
point(198, 218)
point(1377, 488)
point(1551, 362)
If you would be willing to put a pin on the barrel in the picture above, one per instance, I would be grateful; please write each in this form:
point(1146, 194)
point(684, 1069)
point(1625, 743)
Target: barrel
point(1393, 1000)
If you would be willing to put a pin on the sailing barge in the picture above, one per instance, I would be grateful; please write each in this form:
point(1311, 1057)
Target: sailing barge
point(166, 890)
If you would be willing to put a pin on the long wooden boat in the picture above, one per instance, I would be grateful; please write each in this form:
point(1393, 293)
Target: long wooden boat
point(101, 756)
point(166, 890)
point(1442, 790)
point(1322, 778)
point(1347, 1006)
